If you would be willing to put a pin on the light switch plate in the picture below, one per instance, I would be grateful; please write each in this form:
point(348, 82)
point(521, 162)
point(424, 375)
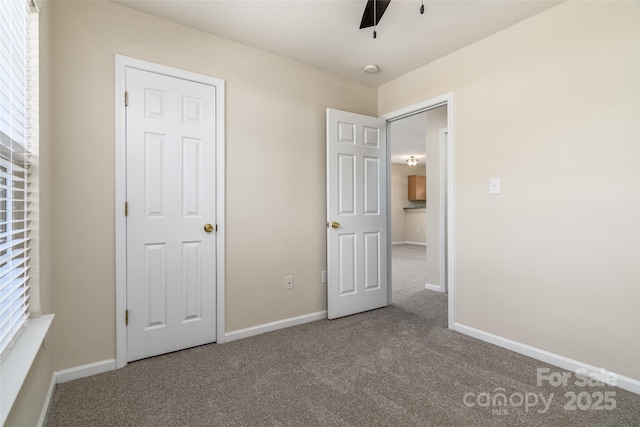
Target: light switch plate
point(494, 185)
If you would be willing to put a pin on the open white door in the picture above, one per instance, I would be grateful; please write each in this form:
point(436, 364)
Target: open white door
point(356, 213)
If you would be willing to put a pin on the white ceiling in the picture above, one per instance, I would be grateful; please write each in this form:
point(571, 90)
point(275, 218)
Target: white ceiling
point(408, 137)
point(325, 33)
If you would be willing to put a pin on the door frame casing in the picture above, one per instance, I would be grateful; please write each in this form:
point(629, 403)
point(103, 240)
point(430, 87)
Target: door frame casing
point(443, 135)
point(448, 100)
point(121, 65)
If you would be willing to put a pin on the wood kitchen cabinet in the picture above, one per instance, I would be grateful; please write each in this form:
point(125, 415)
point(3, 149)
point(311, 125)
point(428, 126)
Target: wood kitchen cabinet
point(417, 187)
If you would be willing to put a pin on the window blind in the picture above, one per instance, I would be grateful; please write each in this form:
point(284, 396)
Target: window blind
point(14, 169)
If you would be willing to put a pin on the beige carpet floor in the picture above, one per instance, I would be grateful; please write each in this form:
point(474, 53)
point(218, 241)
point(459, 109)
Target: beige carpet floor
point(396, 366)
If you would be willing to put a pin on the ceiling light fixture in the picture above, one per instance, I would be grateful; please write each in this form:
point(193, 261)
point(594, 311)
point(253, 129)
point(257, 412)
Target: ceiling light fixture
point(412, 161)
point(371, 68)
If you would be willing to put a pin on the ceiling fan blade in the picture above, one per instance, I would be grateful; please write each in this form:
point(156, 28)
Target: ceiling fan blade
point(367, 16)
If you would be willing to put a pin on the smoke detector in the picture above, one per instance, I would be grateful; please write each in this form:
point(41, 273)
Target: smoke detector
point(371, 69)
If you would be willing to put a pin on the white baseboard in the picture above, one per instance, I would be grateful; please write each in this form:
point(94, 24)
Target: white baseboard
point(398, 243)
point(83, 371)
point(47, 402)
point(274, 326)
point(623, 382)
point(433, 287)
point(110, 364)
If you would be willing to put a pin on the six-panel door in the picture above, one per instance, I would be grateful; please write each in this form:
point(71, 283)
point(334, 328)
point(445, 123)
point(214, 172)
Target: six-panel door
point(357, 202)
point(171, 269)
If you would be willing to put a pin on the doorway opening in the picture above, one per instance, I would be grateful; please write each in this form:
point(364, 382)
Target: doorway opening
point(420, 222)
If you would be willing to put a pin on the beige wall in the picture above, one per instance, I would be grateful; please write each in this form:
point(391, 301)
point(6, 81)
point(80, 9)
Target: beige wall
point(436, 120)
point(416, 225)
point(27, 407)
point(397, 199)
point(551, 106)
point(275, 169)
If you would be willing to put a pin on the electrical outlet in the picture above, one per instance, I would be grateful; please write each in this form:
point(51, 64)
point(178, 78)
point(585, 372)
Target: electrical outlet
point(288, 282)
point(324, 276)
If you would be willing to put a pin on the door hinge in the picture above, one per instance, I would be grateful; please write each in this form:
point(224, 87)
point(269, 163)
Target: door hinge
point(126, 99)
point(126, 208)
point(126, 317)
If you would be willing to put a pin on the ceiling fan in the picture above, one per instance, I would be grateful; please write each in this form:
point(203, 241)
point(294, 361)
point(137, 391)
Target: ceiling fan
point(373, 12)
point(373, 8)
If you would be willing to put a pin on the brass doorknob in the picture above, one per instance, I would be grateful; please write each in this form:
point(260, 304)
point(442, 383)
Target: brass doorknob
point(335, 225)
point(208, 228)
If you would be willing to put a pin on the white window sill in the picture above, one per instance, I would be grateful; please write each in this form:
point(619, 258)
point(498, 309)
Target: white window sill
point(16, 365)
